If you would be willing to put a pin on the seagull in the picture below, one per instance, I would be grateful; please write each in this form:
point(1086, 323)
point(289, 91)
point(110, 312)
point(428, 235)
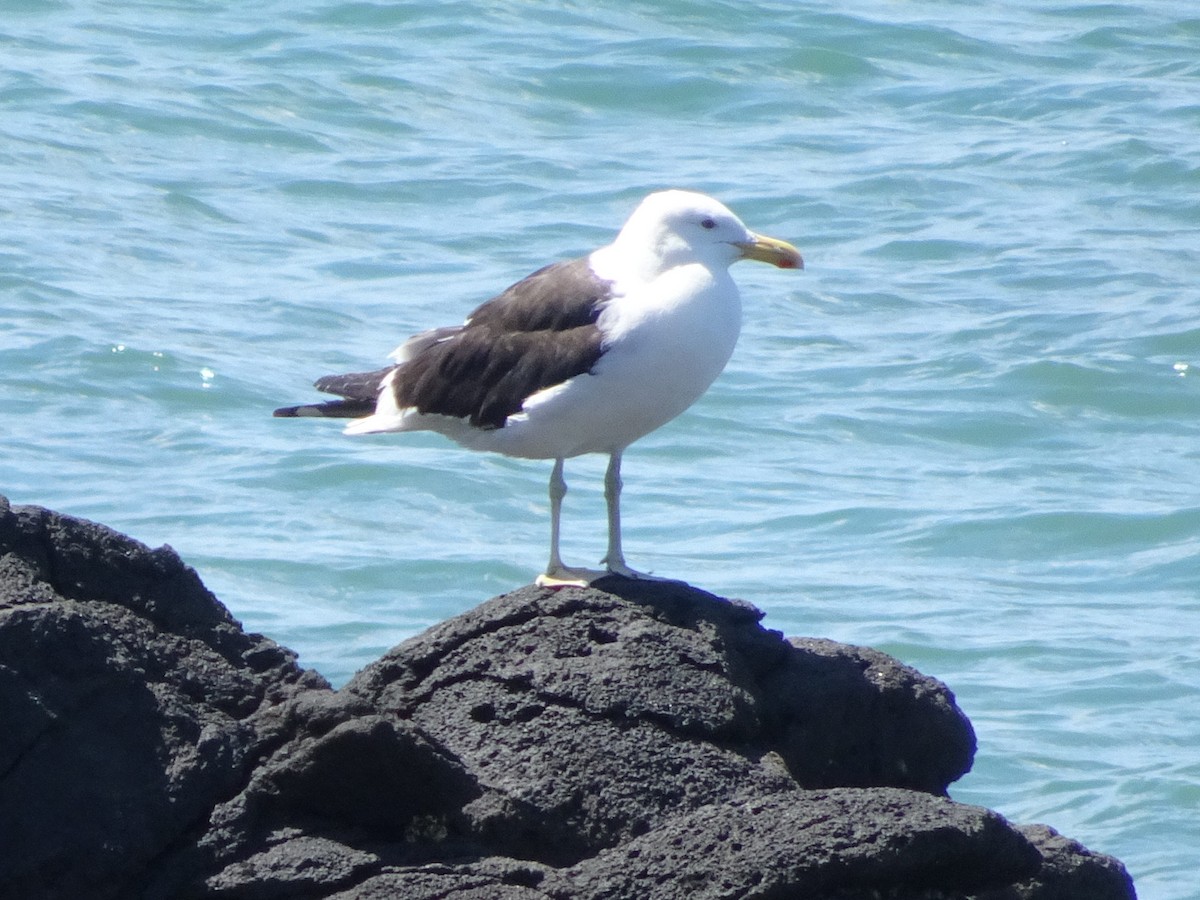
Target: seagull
point(582, 356)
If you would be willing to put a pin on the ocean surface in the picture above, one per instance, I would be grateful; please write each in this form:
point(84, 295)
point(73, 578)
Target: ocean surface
point(968, 434)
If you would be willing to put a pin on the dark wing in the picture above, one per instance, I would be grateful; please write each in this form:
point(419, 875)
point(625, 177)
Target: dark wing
point(354, 385)
point(360, 390)
point(484, 375)
point(554, 298)
point(539, 332)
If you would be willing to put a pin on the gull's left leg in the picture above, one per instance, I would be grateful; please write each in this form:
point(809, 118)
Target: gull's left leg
point(614, 560)
point(557, 574)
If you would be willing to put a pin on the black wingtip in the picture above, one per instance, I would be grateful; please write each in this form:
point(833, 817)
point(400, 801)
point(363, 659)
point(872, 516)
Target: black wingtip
point(334, 409)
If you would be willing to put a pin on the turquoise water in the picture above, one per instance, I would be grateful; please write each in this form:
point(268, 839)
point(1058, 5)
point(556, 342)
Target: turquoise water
point(968, 434)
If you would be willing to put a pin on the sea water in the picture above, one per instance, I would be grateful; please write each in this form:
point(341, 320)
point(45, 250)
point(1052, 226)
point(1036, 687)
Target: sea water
point(968, 434)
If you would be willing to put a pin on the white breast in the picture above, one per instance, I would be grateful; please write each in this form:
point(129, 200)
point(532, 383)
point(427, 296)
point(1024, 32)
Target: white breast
point(666, 343)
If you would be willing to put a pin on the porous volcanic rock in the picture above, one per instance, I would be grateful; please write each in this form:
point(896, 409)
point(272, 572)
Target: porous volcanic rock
point(612, 709)
point(634, 739)
point(128, 693)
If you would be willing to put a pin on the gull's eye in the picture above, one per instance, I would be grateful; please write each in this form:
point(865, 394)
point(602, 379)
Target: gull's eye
point(708, 224)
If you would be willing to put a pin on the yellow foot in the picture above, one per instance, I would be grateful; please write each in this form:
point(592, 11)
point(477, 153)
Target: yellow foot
point(570, 577)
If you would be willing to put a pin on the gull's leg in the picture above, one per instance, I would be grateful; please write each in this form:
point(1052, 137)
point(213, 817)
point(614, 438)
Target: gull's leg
point(614, 559)
point(556, 574)
point(558, 490)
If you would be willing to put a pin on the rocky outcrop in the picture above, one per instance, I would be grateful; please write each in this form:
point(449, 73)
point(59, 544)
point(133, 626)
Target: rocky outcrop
point(632, 740)
point(131, 701)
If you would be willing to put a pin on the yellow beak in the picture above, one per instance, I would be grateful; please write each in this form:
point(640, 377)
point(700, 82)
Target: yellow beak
point(771, 250)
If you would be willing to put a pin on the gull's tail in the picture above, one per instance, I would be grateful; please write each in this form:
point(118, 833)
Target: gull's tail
point(358, 390)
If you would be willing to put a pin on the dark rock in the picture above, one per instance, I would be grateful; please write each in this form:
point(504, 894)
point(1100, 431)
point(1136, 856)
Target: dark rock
point(1068, 869)
point(845, 715)
point(488, 879)
point(334, 805)
point(843, 842)
point(638, 740)
point(611, 710)
point(132, 692)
